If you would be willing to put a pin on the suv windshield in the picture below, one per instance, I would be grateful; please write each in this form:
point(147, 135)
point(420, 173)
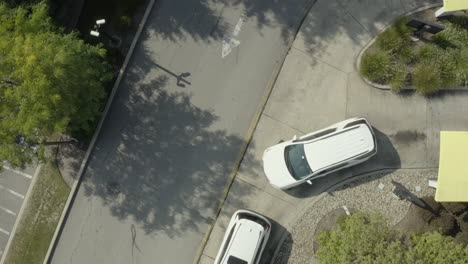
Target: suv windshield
point(296, 161)
point(234, 260)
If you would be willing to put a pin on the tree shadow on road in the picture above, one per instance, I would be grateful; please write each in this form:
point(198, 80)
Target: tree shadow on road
point(387, 159)
point(158, 160)
point(209, 20)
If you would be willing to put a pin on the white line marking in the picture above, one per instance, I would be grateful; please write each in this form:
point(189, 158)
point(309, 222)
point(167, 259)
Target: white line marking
point(18, 172)
point(4, 232)
point(7, 211)
point(238, 27)
point(12, 192)
point(230, 42)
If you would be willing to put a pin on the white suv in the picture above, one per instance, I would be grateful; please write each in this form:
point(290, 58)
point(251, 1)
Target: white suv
point(319, 153)
point(245, 239)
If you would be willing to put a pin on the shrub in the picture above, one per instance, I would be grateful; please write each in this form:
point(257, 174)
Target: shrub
point(359, 238)
point(407, 55)
point(435, 248)
point(447, 67)
point(429, 52)
point(445, 223)
point(461, 59)
point(401, 27)
point(399, 77)
point(390, 40)
point(426, 78)
point(365, 238)
point(461, 238)
point(394, 37)
point(455, 208)
point(376, 66)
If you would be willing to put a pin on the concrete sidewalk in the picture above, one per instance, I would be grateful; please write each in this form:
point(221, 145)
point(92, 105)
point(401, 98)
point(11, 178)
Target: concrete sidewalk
point(318, 86)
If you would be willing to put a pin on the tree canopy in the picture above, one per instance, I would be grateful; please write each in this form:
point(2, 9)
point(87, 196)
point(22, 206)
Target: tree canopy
point(365, 238)
point(50, 82)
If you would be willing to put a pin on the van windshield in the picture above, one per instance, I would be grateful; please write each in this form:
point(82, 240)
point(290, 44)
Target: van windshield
point(296, 161)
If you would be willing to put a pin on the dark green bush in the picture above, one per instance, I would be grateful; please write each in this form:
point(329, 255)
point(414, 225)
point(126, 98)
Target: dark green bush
point(407, 55)
point(376, 66)
point(390, 40)
point(394, 37)
point(398, 77)
point(365, 238)
point(426, 78)
point(402, 29)
point(461, 238)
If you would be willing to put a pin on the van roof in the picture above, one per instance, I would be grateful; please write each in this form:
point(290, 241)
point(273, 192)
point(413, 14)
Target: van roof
point(245, 240)
point(338, 147)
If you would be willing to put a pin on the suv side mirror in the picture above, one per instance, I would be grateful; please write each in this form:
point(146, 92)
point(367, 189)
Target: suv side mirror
point(294, 138)
point(309, 182)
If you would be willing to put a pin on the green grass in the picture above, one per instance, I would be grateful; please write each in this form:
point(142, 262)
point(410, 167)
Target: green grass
point(40, 218)
point(440, 62)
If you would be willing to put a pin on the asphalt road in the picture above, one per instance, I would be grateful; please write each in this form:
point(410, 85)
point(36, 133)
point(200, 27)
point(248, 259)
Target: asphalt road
point(14, 184)
point(172, 135)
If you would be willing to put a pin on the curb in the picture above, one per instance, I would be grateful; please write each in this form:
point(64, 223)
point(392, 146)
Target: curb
point(320, 197)
point(253, 125)
point(74, 189)
point(372, 41)
point(20, 214)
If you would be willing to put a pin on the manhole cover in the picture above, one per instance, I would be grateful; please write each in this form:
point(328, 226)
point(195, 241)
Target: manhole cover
point(113, 187)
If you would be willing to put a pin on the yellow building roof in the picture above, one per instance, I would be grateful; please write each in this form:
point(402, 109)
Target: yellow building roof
point(454, 5)
point(452, 182)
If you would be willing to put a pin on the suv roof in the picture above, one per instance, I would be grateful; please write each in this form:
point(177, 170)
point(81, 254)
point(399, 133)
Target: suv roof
point(245, 240)
point(338, 147)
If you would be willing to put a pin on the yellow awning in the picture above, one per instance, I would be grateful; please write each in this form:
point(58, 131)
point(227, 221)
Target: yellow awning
point(452, 182)
point(454, 5)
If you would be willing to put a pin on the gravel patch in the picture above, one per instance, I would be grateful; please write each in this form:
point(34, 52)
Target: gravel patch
point(369, 193)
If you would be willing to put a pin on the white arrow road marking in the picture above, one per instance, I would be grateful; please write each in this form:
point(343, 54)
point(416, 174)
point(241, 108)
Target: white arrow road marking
point(229, 42)
point(238, 27)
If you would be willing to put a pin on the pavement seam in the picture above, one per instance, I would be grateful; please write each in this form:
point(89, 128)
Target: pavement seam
point(319, 60)
point(347, 94)
point(282, 122)
point(357, 21)
point(265, 191)
point(250, 132)
point(76, 184)
point(20, 213)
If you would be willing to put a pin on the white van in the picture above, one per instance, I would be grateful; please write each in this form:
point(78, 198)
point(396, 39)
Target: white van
point(319, 153)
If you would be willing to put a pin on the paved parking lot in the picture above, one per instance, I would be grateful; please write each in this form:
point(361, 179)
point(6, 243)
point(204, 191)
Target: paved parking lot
point(14, 184)
point(318, 86)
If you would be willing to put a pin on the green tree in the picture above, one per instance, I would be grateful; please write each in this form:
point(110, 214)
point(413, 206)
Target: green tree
point(435, 248)
point(366, 238)
point(360, 238)
point(49, 81)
